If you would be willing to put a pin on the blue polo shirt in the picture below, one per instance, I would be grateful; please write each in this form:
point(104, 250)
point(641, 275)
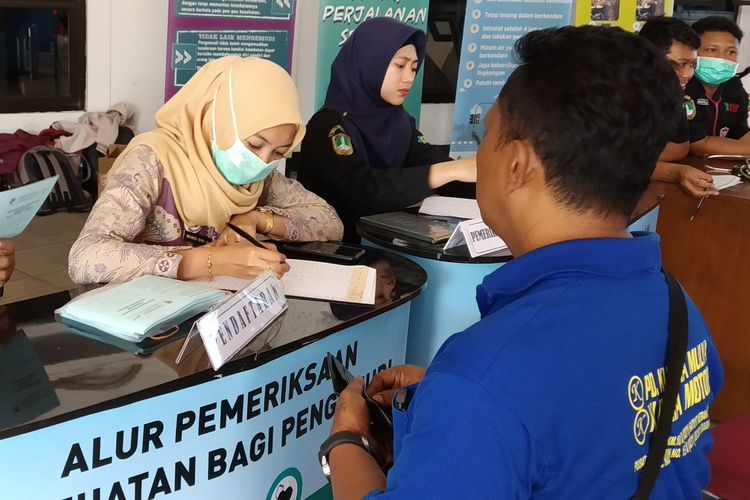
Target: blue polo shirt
point(554, 392)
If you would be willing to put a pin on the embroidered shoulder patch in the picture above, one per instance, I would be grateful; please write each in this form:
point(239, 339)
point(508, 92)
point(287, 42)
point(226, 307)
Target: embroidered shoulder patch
point(689, 106)
point(341, 142)
point(421, 139)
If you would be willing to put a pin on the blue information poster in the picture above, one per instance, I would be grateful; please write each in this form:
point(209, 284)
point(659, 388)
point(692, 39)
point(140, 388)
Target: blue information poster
point(490, 30)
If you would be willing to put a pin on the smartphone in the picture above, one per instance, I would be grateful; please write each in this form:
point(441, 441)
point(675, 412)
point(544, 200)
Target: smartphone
point(329, 251)
point(341, 377)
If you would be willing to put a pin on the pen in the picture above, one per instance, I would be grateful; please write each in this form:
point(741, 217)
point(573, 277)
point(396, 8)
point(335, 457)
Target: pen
point(245, 235)
point(698, 207)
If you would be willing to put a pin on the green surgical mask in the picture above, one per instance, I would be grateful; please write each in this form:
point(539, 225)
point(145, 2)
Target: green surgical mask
point(238, 165)
point(714, 71)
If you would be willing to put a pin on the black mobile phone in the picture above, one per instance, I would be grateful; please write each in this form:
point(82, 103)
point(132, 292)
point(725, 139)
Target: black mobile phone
point(341, 377)
point(330, 251)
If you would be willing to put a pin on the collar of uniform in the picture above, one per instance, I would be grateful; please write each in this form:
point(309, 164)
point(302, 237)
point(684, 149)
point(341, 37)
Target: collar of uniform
point(696, 90)
point(601, 256)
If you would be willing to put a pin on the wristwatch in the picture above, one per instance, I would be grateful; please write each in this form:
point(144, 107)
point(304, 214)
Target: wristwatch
point(337, 438)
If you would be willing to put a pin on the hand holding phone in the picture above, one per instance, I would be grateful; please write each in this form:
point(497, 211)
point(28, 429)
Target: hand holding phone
point(340, 378)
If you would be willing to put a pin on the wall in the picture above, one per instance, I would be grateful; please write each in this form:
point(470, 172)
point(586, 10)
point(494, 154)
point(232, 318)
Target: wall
point(126, 61)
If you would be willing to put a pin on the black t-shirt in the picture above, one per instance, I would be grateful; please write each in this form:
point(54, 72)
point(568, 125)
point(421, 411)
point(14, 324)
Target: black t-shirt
point(724, 115)
point(332, 167)
point(681, 132)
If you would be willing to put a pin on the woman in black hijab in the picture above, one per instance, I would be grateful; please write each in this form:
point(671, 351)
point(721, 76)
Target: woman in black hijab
point(362, 152)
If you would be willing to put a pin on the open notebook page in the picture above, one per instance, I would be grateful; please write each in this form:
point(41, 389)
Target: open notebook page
point(316, 280)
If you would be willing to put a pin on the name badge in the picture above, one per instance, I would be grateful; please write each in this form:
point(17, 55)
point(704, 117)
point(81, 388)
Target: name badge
point(231, 326)
point(476, 235)
point(195, 239)
point(702, 101)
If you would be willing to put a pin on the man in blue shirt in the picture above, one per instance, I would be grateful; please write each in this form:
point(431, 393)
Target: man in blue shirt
point(555, 391)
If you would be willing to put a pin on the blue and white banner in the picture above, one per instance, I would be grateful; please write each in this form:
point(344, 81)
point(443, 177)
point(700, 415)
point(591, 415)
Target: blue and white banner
point(490, 30)
point(253, 434)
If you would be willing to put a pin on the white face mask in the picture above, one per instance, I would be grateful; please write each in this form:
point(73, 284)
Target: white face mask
point(238, 165)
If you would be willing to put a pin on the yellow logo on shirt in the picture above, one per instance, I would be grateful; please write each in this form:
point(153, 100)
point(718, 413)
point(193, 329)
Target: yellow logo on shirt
point(341, 142)
point(689, 106)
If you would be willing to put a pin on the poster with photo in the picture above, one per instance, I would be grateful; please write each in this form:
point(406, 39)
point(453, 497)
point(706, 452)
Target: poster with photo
point(627, 14)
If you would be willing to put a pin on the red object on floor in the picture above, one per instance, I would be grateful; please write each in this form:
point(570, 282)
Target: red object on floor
point(730, 459)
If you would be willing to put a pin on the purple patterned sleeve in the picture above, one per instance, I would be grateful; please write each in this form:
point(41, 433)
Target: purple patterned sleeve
point(108, 248)
point(310, 217)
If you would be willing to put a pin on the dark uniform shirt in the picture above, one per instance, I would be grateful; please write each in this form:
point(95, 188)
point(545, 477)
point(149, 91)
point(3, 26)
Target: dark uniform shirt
point(332, 167)
point(723, 115)
point(681, 133)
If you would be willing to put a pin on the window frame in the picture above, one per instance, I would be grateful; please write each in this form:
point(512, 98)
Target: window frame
point(77, 42)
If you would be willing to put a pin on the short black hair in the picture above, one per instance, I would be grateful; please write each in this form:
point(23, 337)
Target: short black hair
point(665, 31)
point(597, 105)
point(718, 23)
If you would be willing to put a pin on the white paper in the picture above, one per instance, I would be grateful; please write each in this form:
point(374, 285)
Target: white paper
point(725, 181)
point(315, 280)
point(321, 280)
point(18, 206)
point(451, 207)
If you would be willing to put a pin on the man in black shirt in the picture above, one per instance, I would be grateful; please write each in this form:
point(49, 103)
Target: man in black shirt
point(679, 44)
point(720, 123)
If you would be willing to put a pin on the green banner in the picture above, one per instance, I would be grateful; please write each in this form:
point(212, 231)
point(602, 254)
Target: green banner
point(243, 9)
point(192, 49)
point(339, 18)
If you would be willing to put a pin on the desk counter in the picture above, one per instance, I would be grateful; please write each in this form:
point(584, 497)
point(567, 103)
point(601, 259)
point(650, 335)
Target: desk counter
point(708, 255)
point(448, 303)
point(82, 419)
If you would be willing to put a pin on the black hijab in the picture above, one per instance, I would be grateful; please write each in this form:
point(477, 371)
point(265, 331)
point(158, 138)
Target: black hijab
point(380, 131)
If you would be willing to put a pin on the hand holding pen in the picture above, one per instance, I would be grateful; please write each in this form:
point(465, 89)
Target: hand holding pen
point(709, 191)
point(274, 261)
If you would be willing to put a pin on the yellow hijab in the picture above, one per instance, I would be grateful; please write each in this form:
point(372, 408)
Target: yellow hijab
point(264, 96)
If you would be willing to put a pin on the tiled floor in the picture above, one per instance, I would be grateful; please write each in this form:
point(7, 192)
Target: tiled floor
point(42, 257)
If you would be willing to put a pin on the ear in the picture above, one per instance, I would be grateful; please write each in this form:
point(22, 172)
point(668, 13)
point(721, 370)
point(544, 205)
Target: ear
point(525, 167)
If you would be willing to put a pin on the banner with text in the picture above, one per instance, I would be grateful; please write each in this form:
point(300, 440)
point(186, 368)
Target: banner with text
point(253, 434)
point(202, 30)
point(339, 18)
point(490, 30)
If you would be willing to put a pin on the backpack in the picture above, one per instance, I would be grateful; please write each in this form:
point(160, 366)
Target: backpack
point(42, 162)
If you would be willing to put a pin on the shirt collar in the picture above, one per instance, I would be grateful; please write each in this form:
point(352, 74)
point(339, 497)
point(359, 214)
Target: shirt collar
point(602, 256)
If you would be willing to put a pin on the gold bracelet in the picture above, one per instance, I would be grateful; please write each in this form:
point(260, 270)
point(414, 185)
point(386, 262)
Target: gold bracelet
point(210, 266)
point(269, 222)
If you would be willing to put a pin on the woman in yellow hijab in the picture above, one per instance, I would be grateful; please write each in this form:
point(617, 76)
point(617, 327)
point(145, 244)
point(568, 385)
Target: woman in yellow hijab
point(210, 160)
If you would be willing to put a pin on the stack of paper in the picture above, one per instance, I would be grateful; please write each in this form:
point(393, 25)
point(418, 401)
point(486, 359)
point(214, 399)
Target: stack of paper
point(451, 207)
point(725, 181)
point(141, 308)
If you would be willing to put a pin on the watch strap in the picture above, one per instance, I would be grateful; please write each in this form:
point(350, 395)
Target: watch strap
point(339, 438)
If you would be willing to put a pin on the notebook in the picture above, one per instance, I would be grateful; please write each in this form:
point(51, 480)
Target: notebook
point(413, 226)
point(144, 307)
point(309, 279)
